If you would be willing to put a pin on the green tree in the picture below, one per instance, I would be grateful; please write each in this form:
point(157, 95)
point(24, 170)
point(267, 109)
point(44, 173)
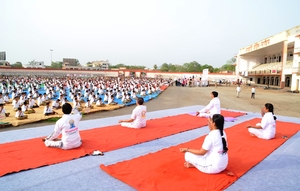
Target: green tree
point(17, 65)
point(209, 67)
point(155, 66)
point(229, 65)
point(192, 67)
point(164, 67)
point(172, 68)
point(57, 65)
point(77, 63)
point(118, 65)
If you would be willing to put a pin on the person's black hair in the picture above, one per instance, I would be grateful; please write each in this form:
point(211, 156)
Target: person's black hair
point(270, 108)
point(140, 101)
point(67, 108)
point(218, 119)
point(215, 93)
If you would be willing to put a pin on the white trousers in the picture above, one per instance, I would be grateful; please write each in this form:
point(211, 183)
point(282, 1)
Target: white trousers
point(259, 133)
point(130, 125)
point(59, 144)
point(202, 163)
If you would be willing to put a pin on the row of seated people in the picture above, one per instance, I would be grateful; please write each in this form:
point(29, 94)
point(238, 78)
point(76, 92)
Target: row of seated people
point(22, 109)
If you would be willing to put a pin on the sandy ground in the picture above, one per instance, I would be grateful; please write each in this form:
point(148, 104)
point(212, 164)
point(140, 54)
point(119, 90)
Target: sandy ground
point(285, 103)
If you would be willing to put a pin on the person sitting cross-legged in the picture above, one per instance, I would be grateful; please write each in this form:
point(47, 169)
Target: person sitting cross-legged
point(212, 158)
point(48, 110)
point(214, 106)
point(138, 116)
point(68, 127)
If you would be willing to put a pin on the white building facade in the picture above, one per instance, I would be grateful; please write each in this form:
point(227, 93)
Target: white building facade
point(273, 61)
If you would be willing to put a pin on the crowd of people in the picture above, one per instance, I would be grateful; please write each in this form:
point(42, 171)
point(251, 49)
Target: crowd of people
point(27, 93)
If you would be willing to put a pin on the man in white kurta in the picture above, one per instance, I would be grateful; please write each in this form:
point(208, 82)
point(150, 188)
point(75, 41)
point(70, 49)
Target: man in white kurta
point(138, 116)
point(214, 107)
point(67, 126)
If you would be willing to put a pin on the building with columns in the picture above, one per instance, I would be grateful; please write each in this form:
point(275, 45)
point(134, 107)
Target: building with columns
point(273, 61)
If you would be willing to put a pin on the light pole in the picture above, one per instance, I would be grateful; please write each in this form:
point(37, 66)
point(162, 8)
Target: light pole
point(51, 57)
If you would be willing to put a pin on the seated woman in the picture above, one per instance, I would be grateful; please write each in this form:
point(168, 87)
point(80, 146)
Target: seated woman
point(212, 158)
point(20, 114)
point(266, 129)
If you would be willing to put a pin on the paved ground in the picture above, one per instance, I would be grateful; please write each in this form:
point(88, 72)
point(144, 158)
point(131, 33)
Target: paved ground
point(285, 103)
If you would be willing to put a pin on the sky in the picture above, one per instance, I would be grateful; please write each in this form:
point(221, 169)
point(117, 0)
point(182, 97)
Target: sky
point(139, 32)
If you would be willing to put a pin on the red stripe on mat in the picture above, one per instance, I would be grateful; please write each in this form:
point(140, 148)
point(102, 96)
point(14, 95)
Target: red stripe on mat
point(164, 169)
point(32, 153)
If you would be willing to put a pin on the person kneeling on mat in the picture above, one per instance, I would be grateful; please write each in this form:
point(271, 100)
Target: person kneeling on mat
point(67, 125)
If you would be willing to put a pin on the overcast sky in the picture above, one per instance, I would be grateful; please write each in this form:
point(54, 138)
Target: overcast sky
point(139, 32)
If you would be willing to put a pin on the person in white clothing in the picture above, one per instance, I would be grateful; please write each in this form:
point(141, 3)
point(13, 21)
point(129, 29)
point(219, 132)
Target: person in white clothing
point(253, 92)
point(138, 116)
point(48, 110)
point(267, 128)
point(214, 106)
point(68, 126)
point(238, 91)
point(212, 157)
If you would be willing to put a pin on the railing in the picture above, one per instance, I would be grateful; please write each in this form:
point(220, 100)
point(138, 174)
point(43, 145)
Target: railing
point(262, 72)
point(296, 70)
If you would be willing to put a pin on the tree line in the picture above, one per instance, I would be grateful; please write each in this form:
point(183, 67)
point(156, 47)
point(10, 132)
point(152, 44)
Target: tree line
point(193, 66)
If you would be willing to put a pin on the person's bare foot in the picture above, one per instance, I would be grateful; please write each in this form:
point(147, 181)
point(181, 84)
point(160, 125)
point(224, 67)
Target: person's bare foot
point(188, 165)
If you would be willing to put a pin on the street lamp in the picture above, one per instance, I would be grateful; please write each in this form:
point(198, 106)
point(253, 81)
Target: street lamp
point(51, 57)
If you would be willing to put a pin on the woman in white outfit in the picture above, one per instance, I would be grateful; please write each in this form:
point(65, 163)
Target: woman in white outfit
point(212, 157)
point(266, 129)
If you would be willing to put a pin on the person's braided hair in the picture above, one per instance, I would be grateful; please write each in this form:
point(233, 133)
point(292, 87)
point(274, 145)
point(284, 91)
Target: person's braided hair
point(218, 119)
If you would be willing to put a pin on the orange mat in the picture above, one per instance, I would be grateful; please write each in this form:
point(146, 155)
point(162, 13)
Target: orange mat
point(32, 153)
point(164, 169)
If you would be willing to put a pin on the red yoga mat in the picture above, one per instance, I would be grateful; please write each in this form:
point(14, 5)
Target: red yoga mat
point(164, 169)
point(32, 153)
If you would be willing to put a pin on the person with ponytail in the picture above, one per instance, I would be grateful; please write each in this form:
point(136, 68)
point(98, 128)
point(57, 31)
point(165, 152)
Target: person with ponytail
point(212, 158)
point(266, 129)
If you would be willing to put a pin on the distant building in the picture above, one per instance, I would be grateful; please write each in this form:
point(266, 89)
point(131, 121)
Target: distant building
point(272, 61)
point(102, 64)
point(4, 63)
point(71, 63)
point(35, 64)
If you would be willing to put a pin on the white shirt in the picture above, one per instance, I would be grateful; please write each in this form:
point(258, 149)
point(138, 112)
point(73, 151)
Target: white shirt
point(139, 116)
point(214, 146)
point(47, 110)
point(16, 104)
point(268, 125)
point(214, 107)
point(68, 127)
